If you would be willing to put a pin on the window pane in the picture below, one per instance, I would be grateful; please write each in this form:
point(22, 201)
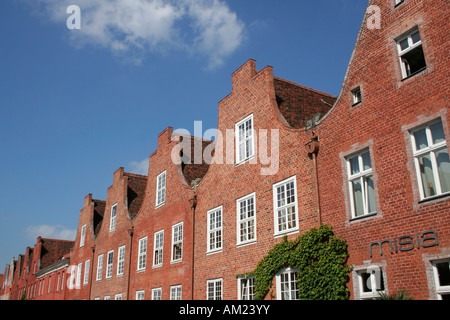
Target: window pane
point(437, 132)
point(415, 37)
point(404, 44)
point(415, 60)
point(366, 161)
point(444, 273)
point(366, 283)
point(357, 198)
point(426, 174)
point(443, 163)
point(281, 197)
point(421, 139)
point(354, 165)
point(370, 192)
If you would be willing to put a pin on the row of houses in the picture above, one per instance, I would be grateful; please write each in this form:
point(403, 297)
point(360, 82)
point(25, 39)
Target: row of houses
point(372, 162)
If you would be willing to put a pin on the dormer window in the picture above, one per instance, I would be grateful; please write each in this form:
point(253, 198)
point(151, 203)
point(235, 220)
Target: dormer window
point(112, 224)
point(356, 96)
point(161, 189)
point(244, 140)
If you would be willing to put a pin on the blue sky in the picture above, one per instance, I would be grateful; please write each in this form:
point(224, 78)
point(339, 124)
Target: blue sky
point(75, 105)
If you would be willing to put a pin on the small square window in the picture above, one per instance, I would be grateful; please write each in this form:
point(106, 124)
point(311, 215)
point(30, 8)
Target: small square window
point(356, 94)
point(371, 282)
point(214, 289)
point(156, 294)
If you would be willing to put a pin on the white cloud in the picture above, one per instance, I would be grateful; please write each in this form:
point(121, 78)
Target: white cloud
point(136, 27)
point(139, 167)
point(50, 232)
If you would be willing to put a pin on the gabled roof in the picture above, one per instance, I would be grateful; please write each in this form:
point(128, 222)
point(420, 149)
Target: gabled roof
point(298, 103)
point(135, 192)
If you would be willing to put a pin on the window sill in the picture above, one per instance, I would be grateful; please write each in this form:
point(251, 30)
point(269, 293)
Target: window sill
point(414, 74)
point(285, 233)
point(160, 205)
point(399, 4)
point(213, 252)
point(176, 261)
point(437, 197)
point(356, 104)
point(369, 215)
point(244, 161)
point(243, 244)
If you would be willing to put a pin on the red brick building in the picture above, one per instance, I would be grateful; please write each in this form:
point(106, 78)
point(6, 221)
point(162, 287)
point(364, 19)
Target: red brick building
point(236, 221)
point(21, 282)
point(372, 162)
point(100, 256)
point(162, 257)
point(383, 163)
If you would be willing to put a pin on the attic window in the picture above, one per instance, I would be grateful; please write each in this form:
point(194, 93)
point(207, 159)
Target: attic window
point(356, 95)
point(410, 51)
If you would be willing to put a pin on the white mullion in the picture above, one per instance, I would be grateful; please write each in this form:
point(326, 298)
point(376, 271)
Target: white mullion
point(434, 167)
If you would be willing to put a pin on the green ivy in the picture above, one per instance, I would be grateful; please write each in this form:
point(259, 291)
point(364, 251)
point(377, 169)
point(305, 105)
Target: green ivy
point(321, 260)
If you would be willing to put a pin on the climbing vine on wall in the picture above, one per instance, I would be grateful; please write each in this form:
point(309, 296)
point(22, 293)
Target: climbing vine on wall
point(321, 260)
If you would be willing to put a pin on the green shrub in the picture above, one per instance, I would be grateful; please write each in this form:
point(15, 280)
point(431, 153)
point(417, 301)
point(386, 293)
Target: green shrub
point(321, 260)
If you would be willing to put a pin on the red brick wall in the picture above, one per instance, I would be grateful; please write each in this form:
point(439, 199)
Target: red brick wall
point(84, 253)
point(150, 219)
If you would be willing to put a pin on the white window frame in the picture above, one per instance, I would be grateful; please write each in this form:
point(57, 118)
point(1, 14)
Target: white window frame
point(411, 46)
point(161, 182)
point(397, 2)
point(431, 151)
point(121, 260)
point(118, 296)
point(246, 288)
point(244, 222)
point(158, 249)
point(107, 298)
point(87, 266)
point(216, 283)
point(241, 140)
point(357, 96)
point(177, 240)
point(83, 236)
point(113, 220)
point(99, 267)
point(375, 278)
point(440, 290)
point(216, 231)
point(292, 280)
point(157, 293)
point(176, 292)
point(293, 205)
point(142, 254)
point(140, 295)
point(362, 176)
point(79, 271)
point(109, 264)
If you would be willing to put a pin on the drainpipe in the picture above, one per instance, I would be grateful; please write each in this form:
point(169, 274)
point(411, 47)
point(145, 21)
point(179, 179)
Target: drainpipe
point(312, 147)
point(91, 271)
point(131, 233)
point(193, 203)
